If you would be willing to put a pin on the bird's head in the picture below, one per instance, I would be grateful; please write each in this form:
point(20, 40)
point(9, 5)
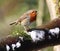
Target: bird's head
point(33, 15)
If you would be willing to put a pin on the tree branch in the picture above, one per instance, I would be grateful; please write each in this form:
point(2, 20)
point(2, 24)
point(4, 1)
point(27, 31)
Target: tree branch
point(36, 38)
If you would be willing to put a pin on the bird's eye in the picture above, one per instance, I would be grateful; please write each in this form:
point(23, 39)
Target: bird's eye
point(36, 11)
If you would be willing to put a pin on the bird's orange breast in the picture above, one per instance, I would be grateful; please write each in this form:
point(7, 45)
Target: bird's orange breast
point(33, 16)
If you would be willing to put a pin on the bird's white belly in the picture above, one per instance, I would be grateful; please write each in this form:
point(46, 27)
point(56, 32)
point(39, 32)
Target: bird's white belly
point(25, 22)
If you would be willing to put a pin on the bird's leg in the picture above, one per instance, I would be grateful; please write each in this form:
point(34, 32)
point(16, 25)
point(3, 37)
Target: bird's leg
point(26, 28)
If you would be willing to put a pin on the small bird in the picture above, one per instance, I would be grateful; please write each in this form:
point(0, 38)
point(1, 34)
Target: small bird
point(26, 19)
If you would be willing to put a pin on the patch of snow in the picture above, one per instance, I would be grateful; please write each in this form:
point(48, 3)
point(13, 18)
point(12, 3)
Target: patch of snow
point(21, 38)
point(13, 47)
point(54, 31)
point(37, 35)
point(7, 48)
point(18, 44)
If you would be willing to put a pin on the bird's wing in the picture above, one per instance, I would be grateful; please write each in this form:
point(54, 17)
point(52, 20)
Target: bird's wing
point(19, 20)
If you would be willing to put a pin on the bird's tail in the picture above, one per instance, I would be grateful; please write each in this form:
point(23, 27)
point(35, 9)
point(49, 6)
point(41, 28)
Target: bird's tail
point(13, 23)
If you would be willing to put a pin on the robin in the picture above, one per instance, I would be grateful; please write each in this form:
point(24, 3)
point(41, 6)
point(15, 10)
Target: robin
point(26, 19)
